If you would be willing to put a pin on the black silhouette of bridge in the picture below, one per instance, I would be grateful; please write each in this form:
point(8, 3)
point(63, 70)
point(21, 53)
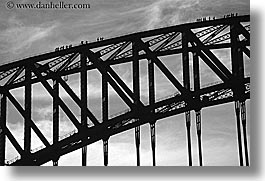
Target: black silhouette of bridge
point(195, 42)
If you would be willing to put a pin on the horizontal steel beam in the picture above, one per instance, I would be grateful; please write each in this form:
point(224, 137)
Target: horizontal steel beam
point(119, 61)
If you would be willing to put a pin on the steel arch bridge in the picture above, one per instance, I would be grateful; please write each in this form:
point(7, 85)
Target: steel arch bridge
point(195, 42)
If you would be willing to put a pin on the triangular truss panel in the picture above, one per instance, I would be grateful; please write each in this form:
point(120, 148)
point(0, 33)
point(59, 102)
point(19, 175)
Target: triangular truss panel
point(7, 77)
point(207, 75)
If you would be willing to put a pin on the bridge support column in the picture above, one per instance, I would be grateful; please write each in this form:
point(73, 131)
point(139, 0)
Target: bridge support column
point(188, 125)
point(153, 142)
point(238, 76)
point(151, 103)
point(55, 117)
point(244, 125)
point(196, 78)
point(186, 82)
point(27, 125)
point(198, 126)
point(83, 85)
point(2, 133)
point(136, 92)
point(55, 162)
point(105, 110)
point(137, 144)
point(240, 154)
point(105, 150)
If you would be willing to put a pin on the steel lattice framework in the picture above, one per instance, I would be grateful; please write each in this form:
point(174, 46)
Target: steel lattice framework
point(198, 39)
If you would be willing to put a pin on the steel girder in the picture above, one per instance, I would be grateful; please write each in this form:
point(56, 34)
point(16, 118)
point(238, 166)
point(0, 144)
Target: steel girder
point(210, 96)
point(161, 42)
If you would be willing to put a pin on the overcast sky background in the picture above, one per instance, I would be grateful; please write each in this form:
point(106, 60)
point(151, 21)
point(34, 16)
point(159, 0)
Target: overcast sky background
point(25, 33)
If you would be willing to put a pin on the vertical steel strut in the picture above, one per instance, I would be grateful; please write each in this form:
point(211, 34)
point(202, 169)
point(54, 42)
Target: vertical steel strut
point(188, 125)
point(238, 75)
point(105, 111)
point(136, 91)
point(105, 150)
point(196, 74)
point(2, 125)
point(151, 103)
point(244, 125)
point(137, 144)
point(237, 109)
point(83, 85)
point(198, 126)
point(153, 142)
point(186, 81)
point(27, 125)
point(55, 118)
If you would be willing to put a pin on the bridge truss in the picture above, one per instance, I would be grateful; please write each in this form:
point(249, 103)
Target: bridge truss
point(195, 42)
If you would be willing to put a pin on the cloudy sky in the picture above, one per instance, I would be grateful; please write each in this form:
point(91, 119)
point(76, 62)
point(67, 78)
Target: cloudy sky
point(24, 33)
